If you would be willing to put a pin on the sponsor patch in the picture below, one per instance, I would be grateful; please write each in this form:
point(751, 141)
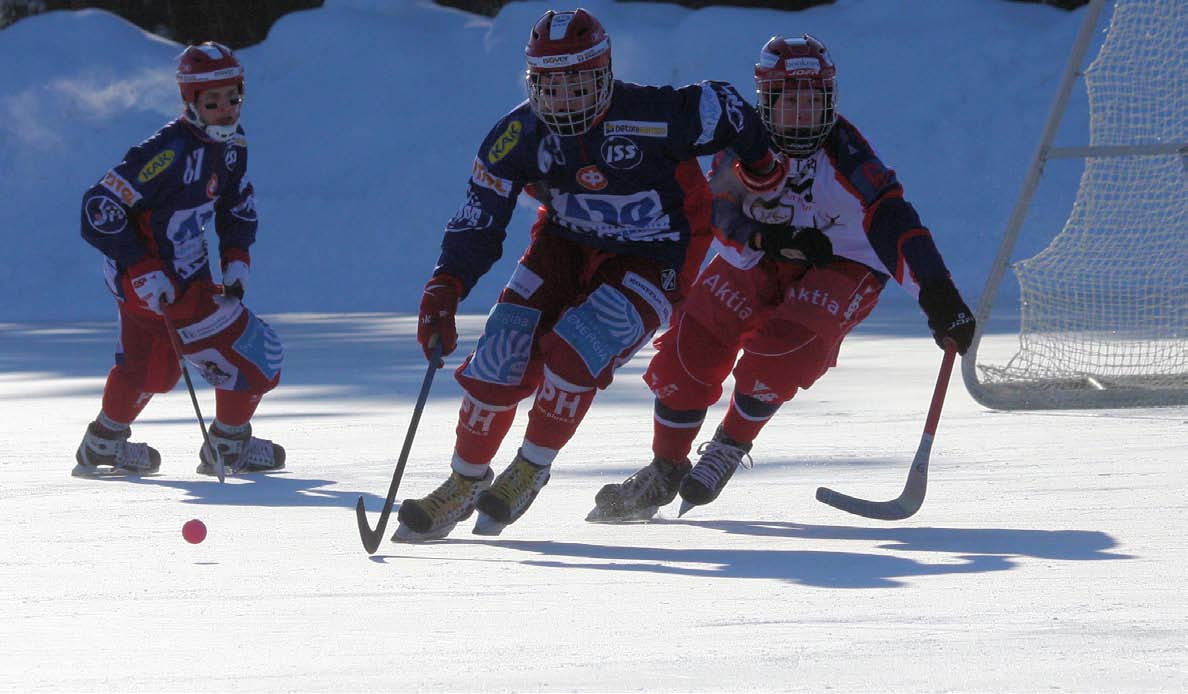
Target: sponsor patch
point(215, 323)
point(604, 325)
point(483, 178)
point(651, 293)
point(641, 128)
point(506, 142)
point(260, 345)
point(121, 188)
point(105, 215)
point(797, 67)
point(156, 165)
point(215, 369)
point(549, 152)
point(524, 281)
point(230, 158)
point(621, 153)
point(591, 178)
point(503, 351)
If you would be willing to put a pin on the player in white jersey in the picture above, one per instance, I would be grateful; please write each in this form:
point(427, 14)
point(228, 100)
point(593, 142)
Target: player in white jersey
point(800, 267)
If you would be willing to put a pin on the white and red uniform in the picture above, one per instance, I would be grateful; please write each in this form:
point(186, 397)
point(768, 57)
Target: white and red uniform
point(789, 320)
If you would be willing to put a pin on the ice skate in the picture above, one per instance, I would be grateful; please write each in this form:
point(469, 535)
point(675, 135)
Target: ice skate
point(510, 496)
point(104, 452)
point(640, 495)
point(434, 516)
point(241, 452)
point(720, 457)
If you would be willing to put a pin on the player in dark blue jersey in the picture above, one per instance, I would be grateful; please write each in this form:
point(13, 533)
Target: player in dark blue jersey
point(797, 268)
point(147, 216)
point(623, 218)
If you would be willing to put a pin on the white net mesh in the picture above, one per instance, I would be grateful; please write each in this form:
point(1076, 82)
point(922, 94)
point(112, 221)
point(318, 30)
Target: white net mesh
point(1105, 305)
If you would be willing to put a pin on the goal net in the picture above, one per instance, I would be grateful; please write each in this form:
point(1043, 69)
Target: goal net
point(1104, 307)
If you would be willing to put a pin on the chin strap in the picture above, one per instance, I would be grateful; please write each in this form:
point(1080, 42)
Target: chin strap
point(218, 133)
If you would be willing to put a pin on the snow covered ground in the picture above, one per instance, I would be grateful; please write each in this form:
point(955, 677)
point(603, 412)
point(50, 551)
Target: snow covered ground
point(1049, 554)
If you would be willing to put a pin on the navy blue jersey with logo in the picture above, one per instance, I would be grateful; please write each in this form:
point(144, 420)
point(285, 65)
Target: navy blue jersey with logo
point(159, 199)
point(614, 188)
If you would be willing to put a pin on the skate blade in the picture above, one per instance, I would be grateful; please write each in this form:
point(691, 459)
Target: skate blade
point(89, 472)
point(603, 515)
point(486, 525)
point(685, 506)
point(408, 535)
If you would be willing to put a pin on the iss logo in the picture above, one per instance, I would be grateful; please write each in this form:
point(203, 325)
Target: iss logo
point(621, 153)
point(105, 215)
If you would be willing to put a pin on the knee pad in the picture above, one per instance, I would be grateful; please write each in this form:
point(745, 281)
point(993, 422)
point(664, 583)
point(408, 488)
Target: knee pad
point(594, 338)
point(234, 349)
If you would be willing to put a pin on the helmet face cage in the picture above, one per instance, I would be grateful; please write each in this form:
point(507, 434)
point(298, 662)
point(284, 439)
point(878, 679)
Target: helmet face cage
point(569, 102)
point(569, 71)
point(796, 86)
point(784, 106)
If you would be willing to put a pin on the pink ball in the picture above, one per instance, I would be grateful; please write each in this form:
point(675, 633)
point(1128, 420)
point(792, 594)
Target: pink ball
point(194, 531)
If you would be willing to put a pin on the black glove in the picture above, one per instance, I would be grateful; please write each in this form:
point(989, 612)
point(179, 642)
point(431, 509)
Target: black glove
point(948, 316)
point(791, 243)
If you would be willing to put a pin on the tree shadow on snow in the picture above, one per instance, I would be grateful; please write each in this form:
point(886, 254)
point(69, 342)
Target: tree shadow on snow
point(952, 550)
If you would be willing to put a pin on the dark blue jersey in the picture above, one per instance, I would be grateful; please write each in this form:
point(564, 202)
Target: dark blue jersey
point(159, 199)
point(613, 188)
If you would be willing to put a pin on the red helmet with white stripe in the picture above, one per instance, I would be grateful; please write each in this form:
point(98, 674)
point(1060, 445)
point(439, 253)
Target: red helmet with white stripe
point(206, 66)
point(796, 82)
point(569, 71)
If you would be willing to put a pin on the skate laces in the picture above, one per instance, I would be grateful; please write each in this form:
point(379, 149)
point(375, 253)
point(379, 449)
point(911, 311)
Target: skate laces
point(133, 455)
point(718, 460)
point(256, 453)
point(519, 481)
point(651, 483)
point(455, 493)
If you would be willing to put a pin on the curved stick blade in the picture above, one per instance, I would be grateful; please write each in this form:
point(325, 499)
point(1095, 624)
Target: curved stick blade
point(371, 538)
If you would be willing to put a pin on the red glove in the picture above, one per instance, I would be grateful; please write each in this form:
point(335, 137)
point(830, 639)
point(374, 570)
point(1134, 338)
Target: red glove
point(150, 284)
point(439, 304)
point(762, 176)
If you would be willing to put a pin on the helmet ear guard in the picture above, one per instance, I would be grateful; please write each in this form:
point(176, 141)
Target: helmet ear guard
point(569, 71)
point(803, 68)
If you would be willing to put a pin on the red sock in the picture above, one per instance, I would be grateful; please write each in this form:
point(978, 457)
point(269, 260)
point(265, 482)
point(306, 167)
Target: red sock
point(672, 443)
point(235, 407)
point(122, 401)
point(481, 428)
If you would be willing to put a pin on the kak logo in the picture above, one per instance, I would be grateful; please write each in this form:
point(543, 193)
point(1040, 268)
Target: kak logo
point(591, 178)
point(505, 142)
point(621, 153)
point(156, 165)
point(105, 215)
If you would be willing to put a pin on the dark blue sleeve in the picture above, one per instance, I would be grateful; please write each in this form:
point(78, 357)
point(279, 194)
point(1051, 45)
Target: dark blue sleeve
point(894, 228)
point(713, 116)
point(235, 213)
point(110, 207)
point(473, 239)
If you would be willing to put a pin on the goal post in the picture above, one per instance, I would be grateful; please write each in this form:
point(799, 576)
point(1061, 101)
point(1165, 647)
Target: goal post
point(1104, 306)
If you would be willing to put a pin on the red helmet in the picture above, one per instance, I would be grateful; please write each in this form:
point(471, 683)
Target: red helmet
point(796, 75)
point(206, 66)
point(569, 71)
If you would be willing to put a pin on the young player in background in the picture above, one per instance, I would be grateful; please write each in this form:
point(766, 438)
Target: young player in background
point(147, 216)
point(800, 267)
point(613, 165)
